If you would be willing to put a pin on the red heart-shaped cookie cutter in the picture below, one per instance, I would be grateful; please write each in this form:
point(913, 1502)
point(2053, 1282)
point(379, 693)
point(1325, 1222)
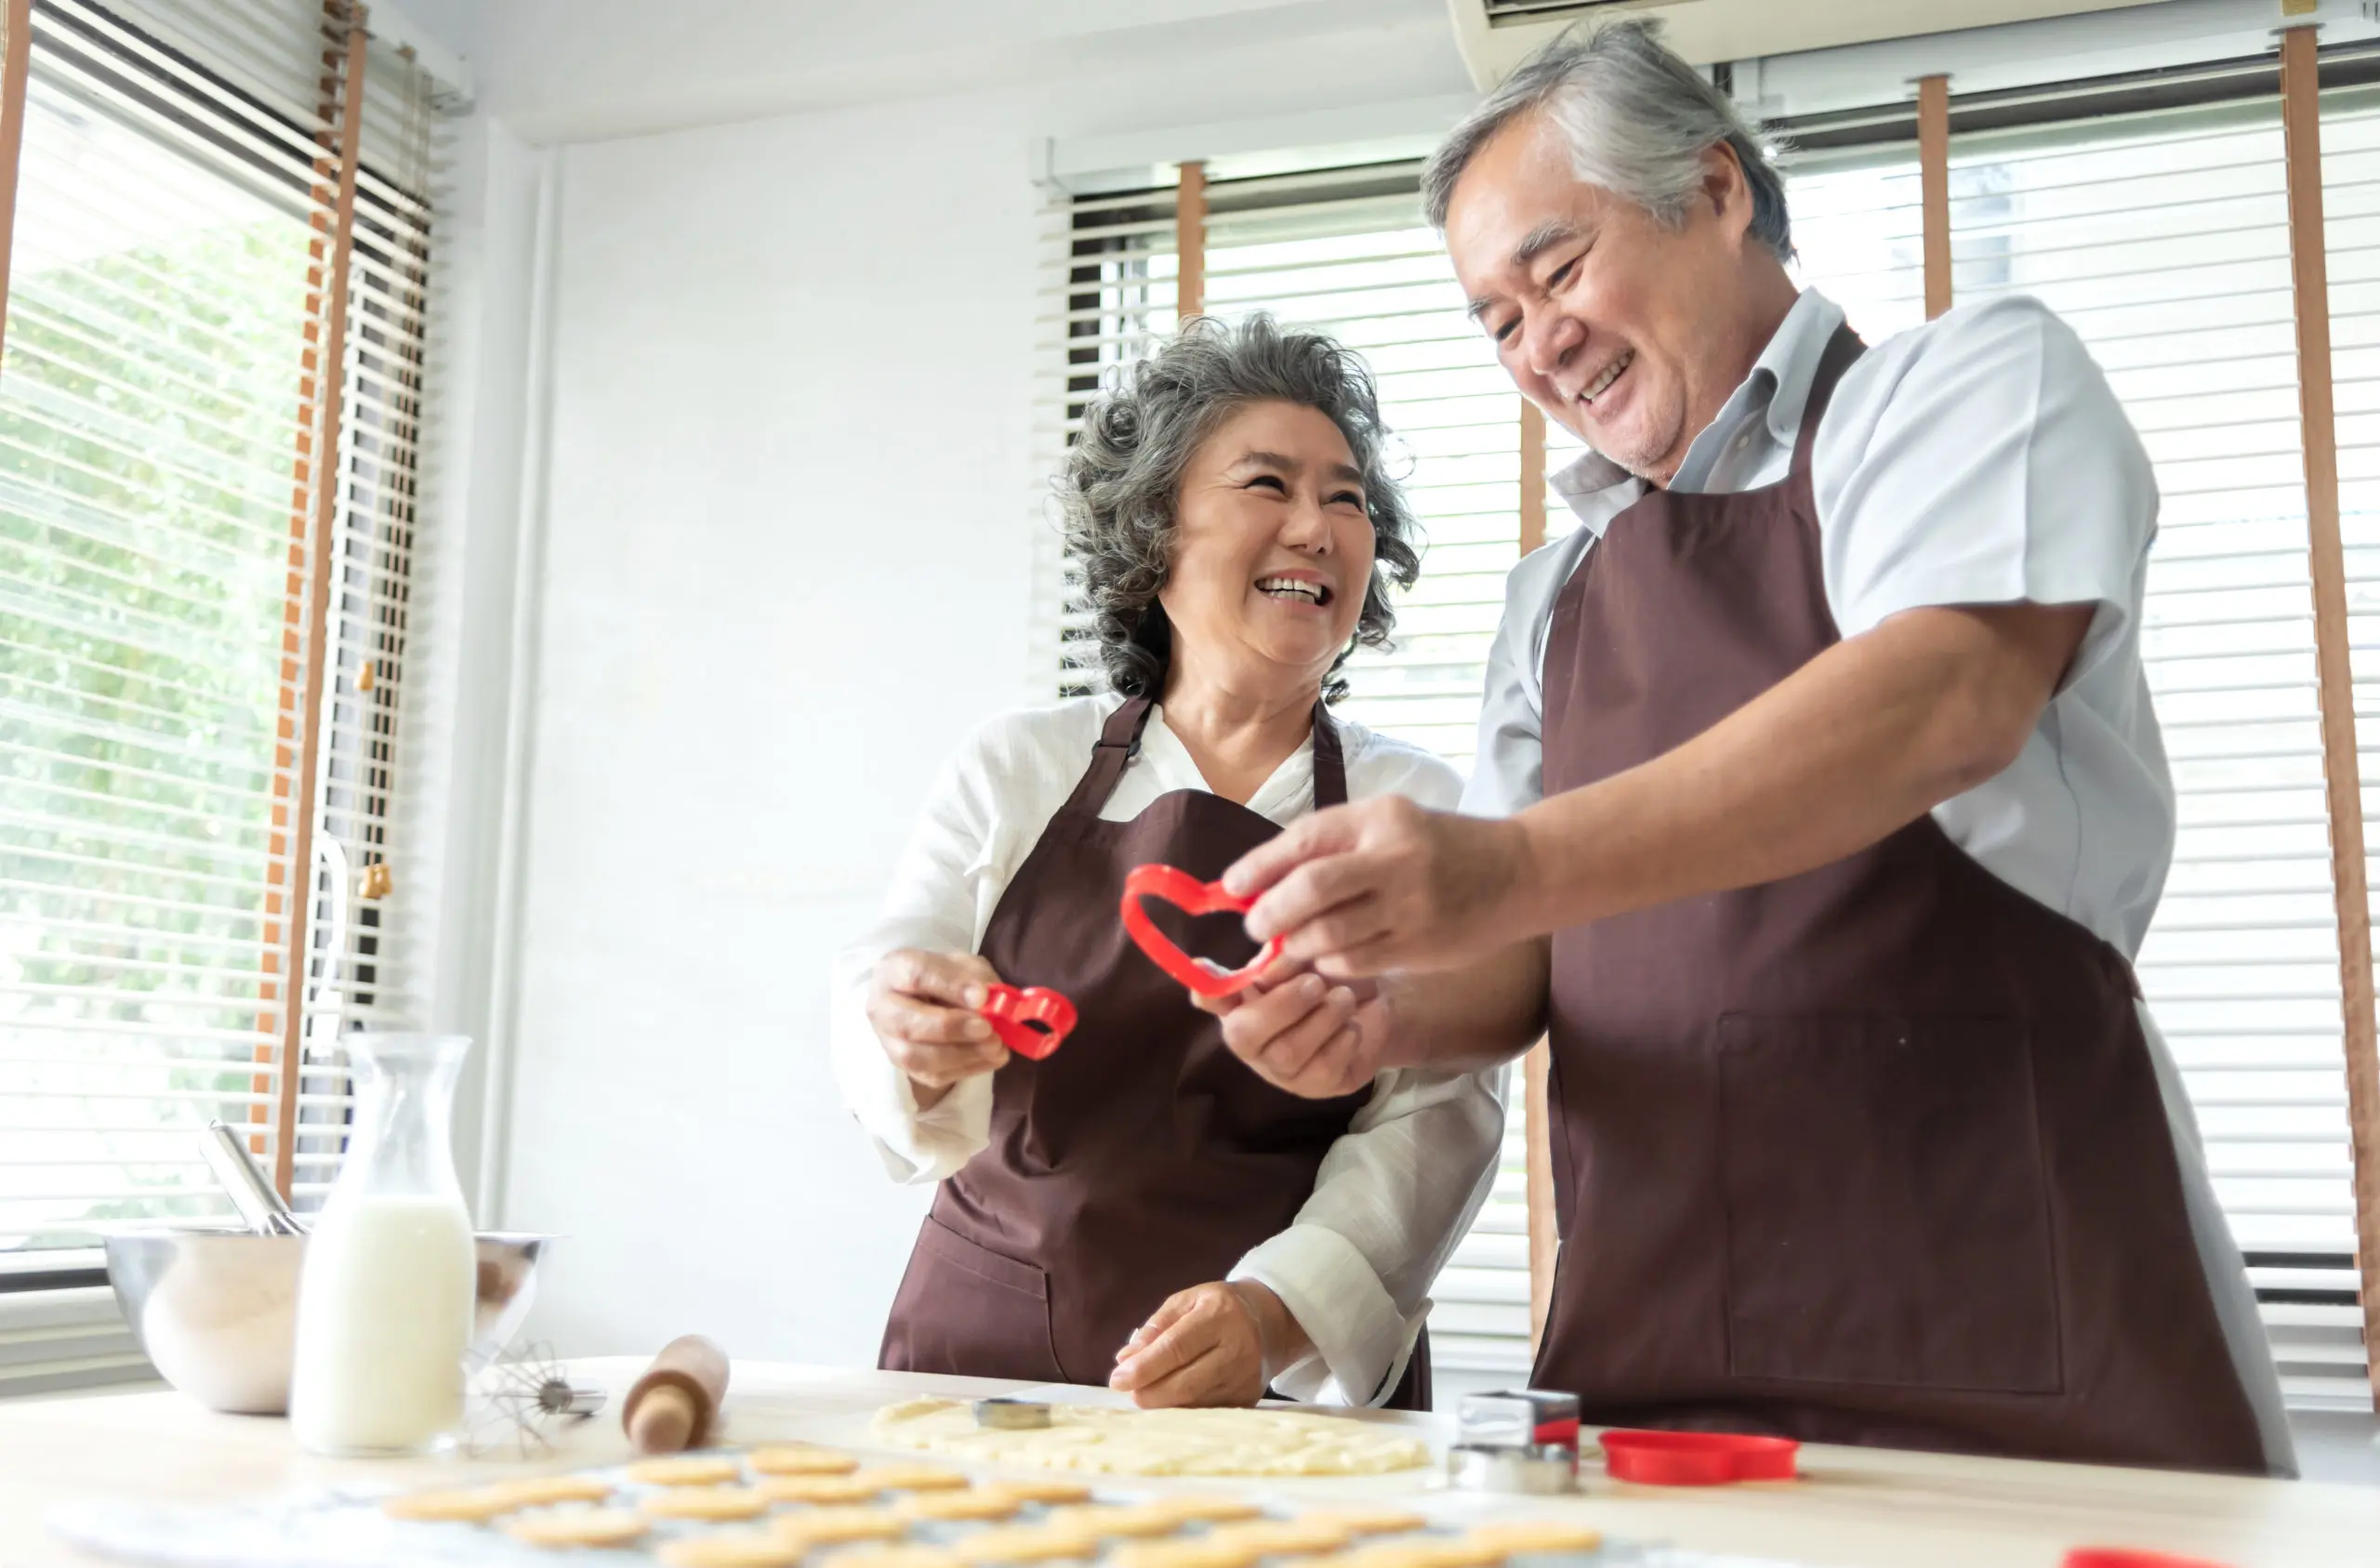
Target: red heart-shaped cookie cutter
point(1031, 1021)
point(1192, 897)
point(1664, 1458)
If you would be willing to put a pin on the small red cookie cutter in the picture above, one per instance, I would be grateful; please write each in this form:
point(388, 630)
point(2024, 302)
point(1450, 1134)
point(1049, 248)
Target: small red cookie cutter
point(1193, 897)
point(2116, 1556)
point(1657, 1458)
point(1031, 1021)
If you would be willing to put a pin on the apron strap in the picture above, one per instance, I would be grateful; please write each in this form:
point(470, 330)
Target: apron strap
point(1119, 743)
point(1330, 762)
point(1842, 351)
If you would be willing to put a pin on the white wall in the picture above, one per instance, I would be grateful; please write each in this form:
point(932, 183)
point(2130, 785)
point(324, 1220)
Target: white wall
point(787, 547)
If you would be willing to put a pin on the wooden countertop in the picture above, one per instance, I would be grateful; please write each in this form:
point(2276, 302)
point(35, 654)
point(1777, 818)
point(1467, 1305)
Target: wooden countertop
point(1854, 1508)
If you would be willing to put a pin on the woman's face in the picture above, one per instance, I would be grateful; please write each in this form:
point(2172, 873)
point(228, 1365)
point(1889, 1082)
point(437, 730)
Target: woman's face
point(1271, 552)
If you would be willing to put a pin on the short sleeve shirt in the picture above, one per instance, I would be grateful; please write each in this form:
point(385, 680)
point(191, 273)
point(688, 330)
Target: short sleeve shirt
point(1980, 459)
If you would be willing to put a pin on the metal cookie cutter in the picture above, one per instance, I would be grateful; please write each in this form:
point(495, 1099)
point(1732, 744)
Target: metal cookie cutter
point(1522, 1439)
point(1539, 1470)
point(1011, 1414)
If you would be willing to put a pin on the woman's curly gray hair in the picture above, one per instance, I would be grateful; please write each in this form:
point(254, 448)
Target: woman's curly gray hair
point(1122, 478)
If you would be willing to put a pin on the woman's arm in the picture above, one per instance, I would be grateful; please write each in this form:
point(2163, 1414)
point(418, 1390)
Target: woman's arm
point(1393, 1198)
point(924, 1127)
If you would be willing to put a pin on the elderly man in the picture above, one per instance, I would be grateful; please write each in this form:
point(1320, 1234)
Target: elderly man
point(1829, 807)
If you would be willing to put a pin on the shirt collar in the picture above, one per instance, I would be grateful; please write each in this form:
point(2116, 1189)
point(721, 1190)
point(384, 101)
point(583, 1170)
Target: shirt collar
point(1778, 387)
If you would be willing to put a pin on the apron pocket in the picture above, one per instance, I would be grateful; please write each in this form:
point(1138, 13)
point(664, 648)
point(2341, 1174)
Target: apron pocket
point(965, 1310)
point(1887, 1210)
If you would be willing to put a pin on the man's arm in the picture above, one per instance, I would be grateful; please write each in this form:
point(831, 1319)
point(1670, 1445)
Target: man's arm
point(1859, 742)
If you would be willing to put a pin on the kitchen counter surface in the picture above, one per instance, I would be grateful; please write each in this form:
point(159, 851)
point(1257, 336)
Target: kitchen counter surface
point(1854, 1507)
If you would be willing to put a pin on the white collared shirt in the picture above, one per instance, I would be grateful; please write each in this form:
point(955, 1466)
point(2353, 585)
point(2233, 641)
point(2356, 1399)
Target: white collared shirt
point(1394, 1194)
point(1979, 459)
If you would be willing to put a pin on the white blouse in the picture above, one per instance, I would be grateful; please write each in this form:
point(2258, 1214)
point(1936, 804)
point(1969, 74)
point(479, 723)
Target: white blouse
point(1394, 1194)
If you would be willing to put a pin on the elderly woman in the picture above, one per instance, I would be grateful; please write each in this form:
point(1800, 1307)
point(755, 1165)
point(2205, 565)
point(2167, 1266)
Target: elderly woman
point(1140, 1208)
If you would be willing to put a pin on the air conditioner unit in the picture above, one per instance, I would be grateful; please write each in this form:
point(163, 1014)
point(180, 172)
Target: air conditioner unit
point(1495, 35)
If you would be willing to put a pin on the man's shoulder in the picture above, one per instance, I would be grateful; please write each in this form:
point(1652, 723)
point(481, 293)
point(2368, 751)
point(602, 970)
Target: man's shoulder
point(2013, 335)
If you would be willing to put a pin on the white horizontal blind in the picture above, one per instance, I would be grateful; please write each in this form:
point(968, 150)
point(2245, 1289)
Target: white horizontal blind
point(2164, 243)
point(1347, 252)
point(1106, 296)
point(158, 398)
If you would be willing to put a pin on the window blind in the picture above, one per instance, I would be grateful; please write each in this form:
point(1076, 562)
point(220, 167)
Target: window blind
point(2164, 241)
point(163, 399)
point(1346, 252)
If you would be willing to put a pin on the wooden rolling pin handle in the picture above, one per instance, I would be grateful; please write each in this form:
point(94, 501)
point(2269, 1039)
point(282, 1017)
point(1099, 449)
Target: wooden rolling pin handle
point(674, 1406)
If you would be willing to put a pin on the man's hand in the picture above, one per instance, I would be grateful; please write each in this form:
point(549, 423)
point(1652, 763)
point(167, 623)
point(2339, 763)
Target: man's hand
point(923, 1008)
point(1306, 1035)
point(1212, 1344)
point(1384, 884)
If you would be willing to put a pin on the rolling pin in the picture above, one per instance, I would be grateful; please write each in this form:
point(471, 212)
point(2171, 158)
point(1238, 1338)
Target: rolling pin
point(673, 1406)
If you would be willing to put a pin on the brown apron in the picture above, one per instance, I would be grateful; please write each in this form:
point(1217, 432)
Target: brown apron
point(1143, 1157)
point(1871, 1154)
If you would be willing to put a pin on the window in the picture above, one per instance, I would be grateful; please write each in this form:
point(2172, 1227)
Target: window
point(198, 763)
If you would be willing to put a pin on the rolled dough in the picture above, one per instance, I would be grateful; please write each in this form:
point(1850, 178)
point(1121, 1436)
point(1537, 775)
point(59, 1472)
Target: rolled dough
point(1085, 1437)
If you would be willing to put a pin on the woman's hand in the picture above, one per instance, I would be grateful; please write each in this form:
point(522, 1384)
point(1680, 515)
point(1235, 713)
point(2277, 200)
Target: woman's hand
point(1212, 1344)
point(923, 1008)
point(1304, 1034)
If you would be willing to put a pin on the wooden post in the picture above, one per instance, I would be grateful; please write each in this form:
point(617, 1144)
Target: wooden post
point(315, 674)
point(1190, 242)
point(16, 69)
point(2302, 128)
point(1535, 1104)
point(1934, 183)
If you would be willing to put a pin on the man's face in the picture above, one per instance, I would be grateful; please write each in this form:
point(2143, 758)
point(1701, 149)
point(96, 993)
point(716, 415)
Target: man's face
point(1616, 325)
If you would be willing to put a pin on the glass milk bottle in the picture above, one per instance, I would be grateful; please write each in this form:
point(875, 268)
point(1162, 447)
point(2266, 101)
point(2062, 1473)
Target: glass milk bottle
point(385, 1301)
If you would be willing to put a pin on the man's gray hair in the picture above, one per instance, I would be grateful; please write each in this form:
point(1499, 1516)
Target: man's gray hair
point(1636, 118)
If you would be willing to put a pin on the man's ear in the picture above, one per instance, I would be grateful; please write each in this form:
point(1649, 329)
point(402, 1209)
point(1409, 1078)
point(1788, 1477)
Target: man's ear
point(1724, 187)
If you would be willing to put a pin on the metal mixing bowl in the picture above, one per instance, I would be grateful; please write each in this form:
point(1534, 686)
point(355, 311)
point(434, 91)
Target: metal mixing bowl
point(217, 1311)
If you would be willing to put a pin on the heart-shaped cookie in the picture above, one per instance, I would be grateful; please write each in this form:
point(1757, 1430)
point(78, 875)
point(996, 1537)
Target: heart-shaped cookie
point(1191, 896)
point(1031, 1021)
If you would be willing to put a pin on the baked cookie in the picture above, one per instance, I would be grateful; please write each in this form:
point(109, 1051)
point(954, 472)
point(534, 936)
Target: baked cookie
point(821, 1527)
point(1284, 1537)
point(1052, 1492)
point(576, 1527)
point(706, 1502)
point(800, 1458)
point(691, 1471)
point(911, 1478)
point(814, 1489)
point(732, 1548)
point(476, 1506)
point(1203, 1552)
point(975, 1502)
point(541, 1491)
point(1370, 1521)
point(1198, 1508)
point(1026, 1543)
point(1117, 1519)
point(897, 1557)
point(1535, 1535)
